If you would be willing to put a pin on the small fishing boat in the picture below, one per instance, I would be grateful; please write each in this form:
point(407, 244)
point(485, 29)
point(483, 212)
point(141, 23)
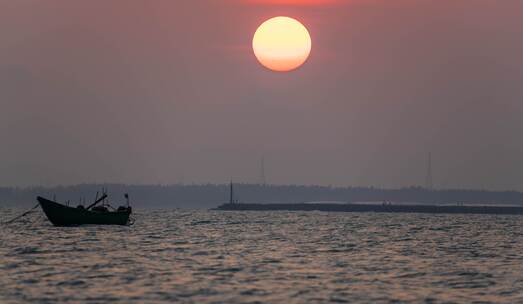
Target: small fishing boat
point(62, 215)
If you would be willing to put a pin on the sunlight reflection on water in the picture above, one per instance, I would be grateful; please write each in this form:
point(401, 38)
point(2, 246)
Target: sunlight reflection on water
point(285, 257)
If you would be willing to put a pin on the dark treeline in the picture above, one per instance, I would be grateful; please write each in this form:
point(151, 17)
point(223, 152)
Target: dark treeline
point(212, 195)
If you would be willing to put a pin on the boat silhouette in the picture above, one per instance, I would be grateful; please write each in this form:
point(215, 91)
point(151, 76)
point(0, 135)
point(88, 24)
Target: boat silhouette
point(63, 215)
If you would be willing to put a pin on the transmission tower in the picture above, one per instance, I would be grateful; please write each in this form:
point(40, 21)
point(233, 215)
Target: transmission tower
point(262, 171)
point(428, 178)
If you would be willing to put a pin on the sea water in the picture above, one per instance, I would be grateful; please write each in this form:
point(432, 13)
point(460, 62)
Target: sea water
point(271, 257)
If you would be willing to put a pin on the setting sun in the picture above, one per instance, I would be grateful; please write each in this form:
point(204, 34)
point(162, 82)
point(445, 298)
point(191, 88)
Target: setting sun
point(282, 44)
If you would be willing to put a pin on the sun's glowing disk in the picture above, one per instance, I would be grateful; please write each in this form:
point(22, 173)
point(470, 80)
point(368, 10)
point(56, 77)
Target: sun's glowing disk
point(282, 44)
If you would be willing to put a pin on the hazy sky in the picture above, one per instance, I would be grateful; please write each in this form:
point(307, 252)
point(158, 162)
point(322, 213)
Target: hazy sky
point(168, 91)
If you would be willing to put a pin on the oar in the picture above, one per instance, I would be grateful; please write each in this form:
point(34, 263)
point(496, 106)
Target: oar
point(96, 202)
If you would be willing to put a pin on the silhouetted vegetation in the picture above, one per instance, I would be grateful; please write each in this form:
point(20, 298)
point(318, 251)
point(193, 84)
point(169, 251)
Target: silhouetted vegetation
point(212, 195)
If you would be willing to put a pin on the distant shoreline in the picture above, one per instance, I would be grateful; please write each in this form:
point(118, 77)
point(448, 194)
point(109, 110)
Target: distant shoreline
point(205, 196)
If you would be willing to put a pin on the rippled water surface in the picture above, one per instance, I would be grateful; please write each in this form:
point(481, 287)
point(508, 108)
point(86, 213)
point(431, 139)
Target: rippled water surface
point(279, 257)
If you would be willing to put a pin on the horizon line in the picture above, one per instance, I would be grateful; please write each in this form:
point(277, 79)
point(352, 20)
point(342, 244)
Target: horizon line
point(268, 185)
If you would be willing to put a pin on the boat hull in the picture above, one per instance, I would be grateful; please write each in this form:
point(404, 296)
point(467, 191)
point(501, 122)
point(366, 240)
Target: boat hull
point(60, 215)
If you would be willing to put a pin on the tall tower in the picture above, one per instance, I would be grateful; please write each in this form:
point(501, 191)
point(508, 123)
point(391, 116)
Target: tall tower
point(262, 172)
point(428, 178)
point(231, 194)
